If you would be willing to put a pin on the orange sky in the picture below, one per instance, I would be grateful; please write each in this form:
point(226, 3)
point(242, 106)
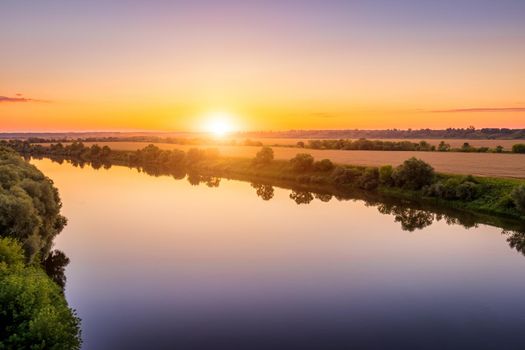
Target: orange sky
point(322, 66)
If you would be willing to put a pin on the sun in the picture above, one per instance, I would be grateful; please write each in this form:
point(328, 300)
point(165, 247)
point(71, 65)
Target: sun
point(219, 124)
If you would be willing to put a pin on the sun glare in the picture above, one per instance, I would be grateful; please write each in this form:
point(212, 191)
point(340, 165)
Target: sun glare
point(219, 124)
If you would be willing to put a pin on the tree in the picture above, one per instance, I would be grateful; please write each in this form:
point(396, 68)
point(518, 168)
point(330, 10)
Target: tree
point(264, 156)
point(518, 148)
point(302, 162)
point(413, 174)
point(324, 165)
point(518, 197)
point(29, 205)
point(443, 147)
point(34, 313)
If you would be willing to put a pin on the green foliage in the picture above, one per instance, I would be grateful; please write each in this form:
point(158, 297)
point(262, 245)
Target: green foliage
point(34, 313)
point(302, 162)
point(385, 175)
point(324, 165)
point(29, 205)
point(346, 175)
point(518, 148)
point(518, 197)
point(369, 180)
point(264, 156)
point(443, 147)
point(413, 174)
point(455, 188)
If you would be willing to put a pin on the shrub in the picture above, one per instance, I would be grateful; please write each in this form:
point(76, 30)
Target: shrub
point(195, 155)
point(264, 156)
point(518, 148)
point(518, 197)
point(413, 174)
point(345, 176)
point(302, 162)
point(369, 180)
point(176, 156)
point(385, 175)
point(454, 188)
point(467, 191)
point(324, 165)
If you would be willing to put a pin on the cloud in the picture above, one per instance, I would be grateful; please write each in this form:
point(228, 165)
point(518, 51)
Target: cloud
point(481, 110)
point(18, 98)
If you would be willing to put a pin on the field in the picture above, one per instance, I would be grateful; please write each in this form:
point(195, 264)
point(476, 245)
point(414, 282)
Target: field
point(480, 164)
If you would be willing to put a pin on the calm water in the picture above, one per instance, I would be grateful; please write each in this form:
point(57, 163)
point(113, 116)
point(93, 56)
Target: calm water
point(157, 263)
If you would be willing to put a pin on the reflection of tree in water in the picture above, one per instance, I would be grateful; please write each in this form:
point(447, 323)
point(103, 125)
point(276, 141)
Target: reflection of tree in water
point(196, 179)
point(301, 197)
point(323, 197)
point(410, 219)
point(264, 191)
point(55, 265)
point(411, 216)
point(516, 240)
point(212, 181)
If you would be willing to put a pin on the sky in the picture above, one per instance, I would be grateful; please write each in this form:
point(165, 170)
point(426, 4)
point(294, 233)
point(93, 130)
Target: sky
point(69, 65)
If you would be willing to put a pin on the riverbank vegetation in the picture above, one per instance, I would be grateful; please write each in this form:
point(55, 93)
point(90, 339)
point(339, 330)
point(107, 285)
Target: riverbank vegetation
point(414, 179)
point(34, 313)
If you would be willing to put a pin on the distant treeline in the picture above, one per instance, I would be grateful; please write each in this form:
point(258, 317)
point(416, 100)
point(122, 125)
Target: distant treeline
point(450, 133)
point(380, 145)
point(413, 178)
point(331, 144)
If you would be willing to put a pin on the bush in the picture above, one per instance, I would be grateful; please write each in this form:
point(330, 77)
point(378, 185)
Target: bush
point(264, 156)
point(302, 162)
point(454, 188)
point(385, 175)
point(518, 197)
point(324, 165)
point(369, 180)
point(518, 148)
point(345, 176)
point(413, 174)
point(443, 147)
point(195, 155)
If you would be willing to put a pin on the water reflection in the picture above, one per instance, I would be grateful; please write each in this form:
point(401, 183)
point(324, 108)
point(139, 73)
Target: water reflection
point(411, 215)
point(265, 191)
point(271, 265)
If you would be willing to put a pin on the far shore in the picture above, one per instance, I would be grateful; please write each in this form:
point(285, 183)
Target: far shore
point(504, 165)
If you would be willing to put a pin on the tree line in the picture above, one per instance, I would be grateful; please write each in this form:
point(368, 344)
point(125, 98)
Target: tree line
point(382, 145)
point(471, 133)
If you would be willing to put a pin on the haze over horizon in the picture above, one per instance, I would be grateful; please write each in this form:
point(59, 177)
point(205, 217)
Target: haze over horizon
point(256, 65)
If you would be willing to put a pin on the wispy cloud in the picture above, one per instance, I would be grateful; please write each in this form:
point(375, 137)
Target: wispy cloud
point(481, 110)
point(18, 98)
